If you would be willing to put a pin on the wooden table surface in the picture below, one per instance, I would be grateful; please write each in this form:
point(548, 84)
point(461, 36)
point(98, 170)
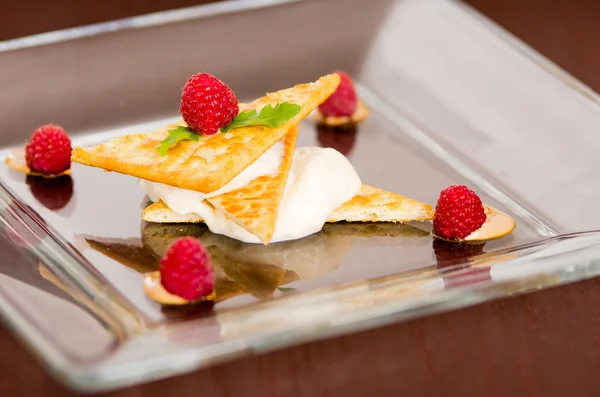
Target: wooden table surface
point(542, 344)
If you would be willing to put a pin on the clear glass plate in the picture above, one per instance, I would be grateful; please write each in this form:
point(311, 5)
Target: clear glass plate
point(454, 99)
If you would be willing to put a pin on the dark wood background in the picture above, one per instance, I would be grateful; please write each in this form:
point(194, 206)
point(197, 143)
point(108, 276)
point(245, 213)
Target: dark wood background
point(542, 344)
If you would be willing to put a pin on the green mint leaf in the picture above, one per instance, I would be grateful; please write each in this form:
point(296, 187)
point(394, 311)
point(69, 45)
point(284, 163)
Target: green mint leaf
point(270, 116)
point(276, 115)
point(177, 135)
point(244, 117)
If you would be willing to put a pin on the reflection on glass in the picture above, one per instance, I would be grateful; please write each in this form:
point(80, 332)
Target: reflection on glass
point(450, 254)
point(243, 268)
point(240, 268)
point(128, 252)
point(381, 233)
point(52, 193)
point(340, 139)
point(254, 268)
point(23, 232)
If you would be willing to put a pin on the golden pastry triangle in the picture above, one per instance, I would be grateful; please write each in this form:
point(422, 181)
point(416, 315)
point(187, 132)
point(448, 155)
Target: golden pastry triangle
point(369, 205)
point(255, 206)
point(213, 161)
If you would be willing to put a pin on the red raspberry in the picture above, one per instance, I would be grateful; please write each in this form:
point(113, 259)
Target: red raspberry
point(459, 212)
point(49, 150)
point(207, 104)
point(186, 270)
point(343, 101)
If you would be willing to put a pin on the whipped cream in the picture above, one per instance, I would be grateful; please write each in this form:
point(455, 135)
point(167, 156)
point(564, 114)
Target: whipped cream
point(319, 181)
point(267, 164)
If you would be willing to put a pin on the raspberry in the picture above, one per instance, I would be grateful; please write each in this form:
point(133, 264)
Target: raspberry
point(343, 101)
point(49, 150)
point(53, 193)
point(458, 213)
point(186, 270)
point(340, 139)
point(207, 104)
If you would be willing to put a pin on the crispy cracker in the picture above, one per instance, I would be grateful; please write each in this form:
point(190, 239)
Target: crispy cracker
point(369, 205)
point(212, 161)
point(159, 212)
point(255, 206)
point(361, 114)
point(377, 205)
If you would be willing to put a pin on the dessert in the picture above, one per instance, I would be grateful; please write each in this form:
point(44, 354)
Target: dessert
point(461, 216)
point(251, 183)
point(378, 205)
point(210, 162)
point(236, 168)
point(207, 104)
point(343, 107)
point(343, 101)
point(186, 270)
point(458, 213)
point(47, 154)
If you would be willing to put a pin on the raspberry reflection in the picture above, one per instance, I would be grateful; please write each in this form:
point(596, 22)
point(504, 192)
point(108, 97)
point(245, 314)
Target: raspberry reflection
point(22, 232)
point(341, 139)
point(52, 193)
point(196, 310)
point(450, 254)
point(453, 254)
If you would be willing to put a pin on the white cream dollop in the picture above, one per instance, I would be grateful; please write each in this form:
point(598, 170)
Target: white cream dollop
point(320, 180)
point(267, 164)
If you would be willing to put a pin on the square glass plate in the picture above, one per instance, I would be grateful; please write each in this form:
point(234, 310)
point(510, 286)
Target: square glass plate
point(454, 99)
